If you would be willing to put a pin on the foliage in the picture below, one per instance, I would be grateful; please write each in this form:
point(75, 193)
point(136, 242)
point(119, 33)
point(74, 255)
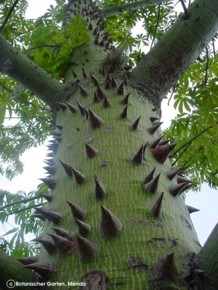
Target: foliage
point(50, 42)
point(196, 99)
point(16, 212)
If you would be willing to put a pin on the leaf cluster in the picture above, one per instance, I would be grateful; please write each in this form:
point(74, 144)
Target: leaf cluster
point(196, 99)
point(16, 212)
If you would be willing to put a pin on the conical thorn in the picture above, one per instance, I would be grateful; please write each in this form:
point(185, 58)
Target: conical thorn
point(138, 156)
point(67, 168)
point(135, 124)
point(45, 270)
point(48, 245)
point(95, 120)
point(84, 229)
point(63, 245)
point(110, 224)
point(79, 177)
point(86, 249)
point(124, 113)
point(77, 211)
point(160, 153)
point(99, 188)
point(154, 127)
point(156, 207)
point(152, 185)
point(165, 268)
point(148, 177)
point(72, 108)
point(177, 188)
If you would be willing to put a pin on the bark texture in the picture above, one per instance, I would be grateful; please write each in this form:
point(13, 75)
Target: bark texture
point(116, 217)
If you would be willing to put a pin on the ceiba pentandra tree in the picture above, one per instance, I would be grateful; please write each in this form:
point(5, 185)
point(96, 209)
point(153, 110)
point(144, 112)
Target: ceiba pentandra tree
point(116, 217)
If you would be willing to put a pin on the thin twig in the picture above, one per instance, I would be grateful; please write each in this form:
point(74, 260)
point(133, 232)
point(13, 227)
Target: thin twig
point(8, 16)
point(207, 65)
point(30, 207)
point(187, 145)
point(185, 9)
point(20, 202)
point(168, 103)
point(157, 23)
point(42, 46)
point(191, 140)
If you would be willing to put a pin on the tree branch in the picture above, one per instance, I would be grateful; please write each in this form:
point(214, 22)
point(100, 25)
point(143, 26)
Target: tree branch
point(19, 67)
point(20, 201)
point(209, 259)
point(161, 68)
point(11, 269)
point(8, 16)
point(114, 10)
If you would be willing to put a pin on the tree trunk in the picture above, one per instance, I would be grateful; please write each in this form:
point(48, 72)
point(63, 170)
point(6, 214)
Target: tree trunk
point(116, 217)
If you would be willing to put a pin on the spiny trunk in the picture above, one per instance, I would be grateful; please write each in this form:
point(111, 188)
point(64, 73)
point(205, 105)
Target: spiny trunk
point(116, 217)
point(106, 160)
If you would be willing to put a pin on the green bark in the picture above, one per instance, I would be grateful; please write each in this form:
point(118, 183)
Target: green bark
point(94, 167)
point(12, 270)
point(209, 260)
point(143, 236)
point(115, 10)
point(20, 68)
point(180, 46)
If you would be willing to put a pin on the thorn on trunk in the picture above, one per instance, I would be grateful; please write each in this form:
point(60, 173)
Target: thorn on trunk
point(77, 211)
point(177, 188)
point(100, 93)
point(121, 89)
point(125, 101)
point(85, 248)
point(95, 120)
point(156, 207)
point(94, 80)
point(160, 153)
point(81, 109)
point(50, 181)
point(45, 270)
point(72, 108)
point(152, 185)
point(99, 188)
point(84, 229)
point(79, 177)
point(110, 224)
point(192, 209)
point(154, 127)
point(106, 103)
point(64, 233)
point(67, 168)
point(135, 124)
point(83, 91)
point(148, 177)
point(124, 113)
point(62, 106)
point(90, 151)
point(138, 157)
point(174, 171)
point(165, 268)
point(155, 142)
point(48, 245)
point(63, 245)
point(49, 214)
point(48, 196)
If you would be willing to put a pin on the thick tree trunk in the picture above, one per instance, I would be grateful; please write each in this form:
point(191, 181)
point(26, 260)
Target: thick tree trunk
point(209, 260)
point(116, 217)
point(12, 272)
